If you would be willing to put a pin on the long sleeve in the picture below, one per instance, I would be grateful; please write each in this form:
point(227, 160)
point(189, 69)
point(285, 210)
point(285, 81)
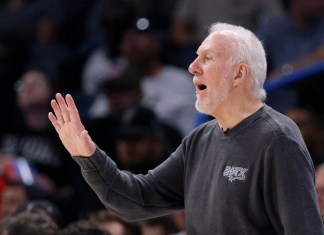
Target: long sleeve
point(290, 201)
point(135, 197)
point(258, 177)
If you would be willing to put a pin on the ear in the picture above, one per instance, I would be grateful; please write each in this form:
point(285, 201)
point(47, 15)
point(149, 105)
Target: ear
point(242, 73)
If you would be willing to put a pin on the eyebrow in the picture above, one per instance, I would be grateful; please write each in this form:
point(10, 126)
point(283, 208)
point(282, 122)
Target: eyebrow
point(204, 51)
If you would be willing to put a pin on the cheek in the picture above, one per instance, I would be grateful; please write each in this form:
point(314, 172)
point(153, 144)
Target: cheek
point(214, 75)
point(215, 84)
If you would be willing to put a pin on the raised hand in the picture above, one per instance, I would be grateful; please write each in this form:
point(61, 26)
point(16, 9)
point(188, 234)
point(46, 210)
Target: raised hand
point(67, 123)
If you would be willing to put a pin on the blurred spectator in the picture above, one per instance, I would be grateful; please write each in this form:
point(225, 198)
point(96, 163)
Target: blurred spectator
point(312, 130)
point(292, 41)
point(157, 226)
point(105, 25)
point(114, 224)
point(152, 12)
point(141, 50)
point(28, 223)
point(75, 26)
point(295, 38)
point(179, 220)
point(116, 17)
point(319, 184)
point(4, 225)
point(128, 119)
point(142, 143)
point(122, 93)
point(188, 20)
point(32, 144)
point(42, 206)
point(191, 17)
point(167, 90)
point(14, 195)
point(26, 27)
point(41, 21)
point(83, 227)
point(32, 136)
point(158, 12)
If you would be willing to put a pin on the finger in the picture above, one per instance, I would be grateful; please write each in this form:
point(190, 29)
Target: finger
point(74, 113)
point(64, 108)
point(54, 121)
point(57, 112)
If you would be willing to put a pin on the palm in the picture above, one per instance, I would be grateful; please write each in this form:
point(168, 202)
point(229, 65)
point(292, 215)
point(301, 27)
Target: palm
point(68, 125)
point(73, 143)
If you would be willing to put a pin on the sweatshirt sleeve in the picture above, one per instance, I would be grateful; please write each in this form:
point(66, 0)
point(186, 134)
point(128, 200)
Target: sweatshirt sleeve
point(135, 197)
point(289, 189)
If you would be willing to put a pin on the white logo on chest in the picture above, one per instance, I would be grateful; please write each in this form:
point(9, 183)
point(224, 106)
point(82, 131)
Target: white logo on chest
point(234, 173)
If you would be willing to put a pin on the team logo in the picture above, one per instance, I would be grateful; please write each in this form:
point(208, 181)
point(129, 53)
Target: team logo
point(234, 173)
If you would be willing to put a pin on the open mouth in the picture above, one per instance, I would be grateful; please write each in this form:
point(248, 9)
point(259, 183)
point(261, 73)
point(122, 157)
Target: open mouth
point(201, 87)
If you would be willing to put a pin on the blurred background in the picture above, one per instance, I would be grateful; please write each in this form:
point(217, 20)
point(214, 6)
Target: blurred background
point(125, 63)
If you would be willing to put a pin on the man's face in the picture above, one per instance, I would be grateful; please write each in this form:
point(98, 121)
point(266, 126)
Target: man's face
point(211, 74)
point(139, 47)
point(34, 89)
point(12, 198)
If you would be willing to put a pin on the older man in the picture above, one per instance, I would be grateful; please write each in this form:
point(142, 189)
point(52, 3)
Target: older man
point(245, 172)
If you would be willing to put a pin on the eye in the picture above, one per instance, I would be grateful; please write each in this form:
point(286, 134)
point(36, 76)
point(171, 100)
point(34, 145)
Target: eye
point(206, 59)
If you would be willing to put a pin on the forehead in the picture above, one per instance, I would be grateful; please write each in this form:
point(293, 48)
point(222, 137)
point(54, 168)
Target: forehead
point(216, 44)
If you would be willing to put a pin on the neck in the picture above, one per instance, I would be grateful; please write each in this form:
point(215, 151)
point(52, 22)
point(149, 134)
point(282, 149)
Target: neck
point(233, 116)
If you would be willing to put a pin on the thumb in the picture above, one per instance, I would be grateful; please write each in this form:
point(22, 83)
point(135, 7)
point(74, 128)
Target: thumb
point(89, 144)
point(84, 135)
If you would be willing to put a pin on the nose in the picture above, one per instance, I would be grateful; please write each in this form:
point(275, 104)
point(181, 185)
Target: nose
point(194, 67)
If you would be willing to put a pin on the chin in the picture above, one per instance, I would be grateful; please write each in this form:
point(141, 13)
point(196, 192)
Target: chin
point(203, 108)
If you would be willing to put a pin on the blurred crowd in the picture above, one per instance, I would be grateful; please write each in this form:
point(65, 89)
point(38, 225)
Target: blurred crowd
point(125, 63)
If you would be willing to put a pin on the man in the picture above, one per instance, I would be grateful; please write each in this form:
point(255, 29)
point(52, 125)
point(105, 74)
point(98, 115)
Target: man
point(245, 172)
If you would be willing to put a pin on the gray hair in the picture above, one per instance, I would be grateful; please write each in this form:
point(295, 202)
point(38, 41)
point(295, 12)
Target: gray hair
point(246, 48)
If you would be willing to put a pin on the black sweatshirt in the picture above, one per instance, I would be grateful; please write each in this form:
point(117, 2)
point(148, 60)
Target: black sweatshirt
point(258, 178)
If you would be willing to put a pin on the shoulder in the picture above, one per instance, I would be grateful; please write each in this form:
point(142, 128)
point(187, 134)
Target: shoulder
point(275, 122)
point(275, 126)
point(279, 139)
